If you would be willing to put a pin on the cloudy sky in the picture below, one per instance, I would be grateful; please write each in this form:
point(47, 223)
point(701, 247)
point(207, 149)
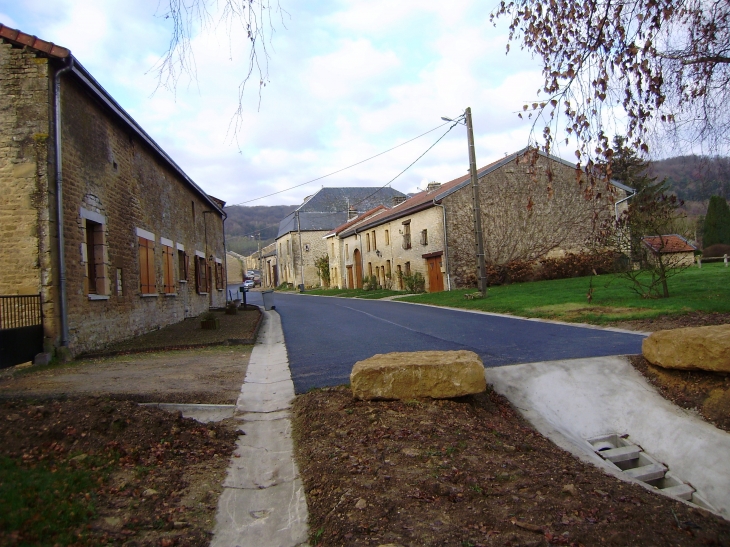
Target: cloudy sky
point(348, 79)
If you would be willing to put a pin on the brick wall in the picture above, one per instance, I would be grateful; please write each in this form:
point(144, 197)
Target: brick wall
point(111, 176)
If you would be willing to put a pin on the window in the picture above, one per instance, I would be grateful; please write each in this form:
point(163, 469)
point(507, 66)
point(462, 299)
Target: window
point(219, 275)
point(408, 268)
point(119, 284)
point(288, 247)
point(387, 237)
point(407, 234)
point(367, 241)
point(424, 237)
point(382, 274)
point(387, 267)
point(375, 245)
point(370, 269)
point(192, 207)
point(168, 269)
point(147, 283)
point(183, 265)
point(201, 274)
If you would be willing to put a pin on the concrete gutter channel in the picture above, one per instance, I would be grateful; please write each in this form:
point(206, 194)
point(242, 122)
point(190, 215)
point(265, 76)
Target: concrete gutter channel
point(572, 401)
point(568, 401)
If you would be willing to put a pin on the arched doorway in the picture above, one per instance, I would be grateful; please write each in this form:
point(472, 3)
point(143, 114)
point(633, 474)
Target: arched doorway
point(358, 268)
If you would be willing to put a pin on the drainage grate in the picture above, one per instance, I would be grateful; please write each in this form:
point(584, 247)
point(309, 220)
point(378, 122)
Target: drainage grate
point(630, 458)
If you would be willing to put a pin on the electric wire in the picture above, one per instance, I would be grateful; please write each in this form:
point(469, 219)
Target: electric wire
point(343, 169)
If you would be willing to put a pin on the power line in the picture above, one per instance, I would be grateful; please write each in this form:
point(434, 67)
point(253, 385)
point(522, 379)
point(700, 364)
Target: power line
point(411, 165)
point(344, 168)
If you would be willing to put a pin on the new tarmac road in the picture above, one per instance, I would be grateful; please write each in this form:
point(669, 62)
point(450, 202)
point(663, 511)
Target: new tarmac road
point(326, 336)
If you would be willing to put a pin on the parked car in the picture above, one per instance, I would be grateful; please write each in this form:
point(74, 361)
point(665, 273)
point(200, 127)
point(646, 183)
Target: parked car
point(248, 284)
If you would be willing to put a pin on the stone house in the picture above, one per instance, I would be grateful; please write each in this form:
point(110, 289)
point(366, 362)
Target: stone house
point(532, 205)
point(269, 273)
point(96, 218)
point(300, 240)
point(676, 251)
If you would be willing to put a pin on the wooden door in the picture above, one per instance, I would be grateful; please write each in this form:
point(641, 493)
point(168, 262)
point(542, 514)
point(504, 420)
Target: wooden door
point(358, 268)
point(349, 277)
point(435, 277)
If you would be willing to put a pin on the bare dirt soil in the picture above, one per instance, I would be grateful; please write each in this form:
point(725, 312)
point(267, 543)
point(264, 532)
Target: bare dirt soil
point(234, 329)
point(155, 476)
point(203, 375)
point(692, 319)
point(707, 393)
point(467, 472)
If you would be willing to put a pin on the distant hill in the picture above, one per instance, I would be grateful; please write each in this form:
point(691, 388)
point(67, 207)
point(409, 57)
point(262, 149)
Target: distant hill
point(695, 178)
point(247, 227)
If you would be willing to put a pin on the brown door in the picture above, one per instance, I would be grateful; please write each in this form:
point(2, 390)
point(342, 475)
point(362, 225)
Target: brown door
point(349, 277)
point(358, 268)
point(435, 277)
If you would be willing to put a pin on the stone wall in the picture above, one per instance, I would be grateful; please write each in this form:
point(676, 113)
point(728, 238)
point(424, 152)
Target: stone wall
point(392, 253)
point(290, 257)
point(525, 216)
point(234, 268)
point(113, 178)
point(27, 228)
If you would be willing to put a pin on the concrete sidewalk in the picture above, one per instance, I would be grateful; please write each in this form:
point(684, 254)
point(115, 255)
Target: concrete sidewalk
point(574, 400)
point(263, 503)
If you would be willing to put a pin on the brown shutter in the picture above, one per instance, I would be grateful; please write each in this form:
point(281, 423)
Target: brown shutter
point(168, 269)
point(146, 265)
point(186, 262)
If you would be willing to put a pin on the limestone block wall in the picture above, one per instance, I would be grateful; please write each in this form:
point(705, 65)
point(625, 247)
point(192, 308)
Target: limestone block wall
point(525, 215)
point(27, 193)
point(388, 252)
point(114, 179)
point(234, 268)
point(25, 96)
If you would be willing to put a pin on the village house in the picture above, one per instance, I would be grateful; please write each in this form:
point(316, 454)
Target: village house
point(269, 275)
point(98, 222)
point(300, 240)
point(532, 206)
point(235, 268)
point(674, 249)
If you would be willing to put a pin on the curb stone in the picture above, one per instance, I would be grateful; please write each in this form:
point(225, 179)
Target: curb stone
point(263, 502)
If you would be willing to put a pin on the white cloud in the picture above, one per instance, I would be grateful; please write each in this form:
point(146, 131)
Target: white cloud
point(348, 80)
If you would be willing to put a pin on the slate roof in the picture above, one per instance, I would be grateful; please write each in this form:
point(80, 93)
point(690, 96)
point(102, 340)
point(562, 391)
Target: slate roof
point(426, 199)
point(328, 208)
point(671, 243)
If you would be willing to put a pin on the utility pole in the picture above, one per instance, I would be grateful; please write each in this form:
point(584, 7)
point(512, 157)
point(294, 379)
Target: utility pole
point(482, 284)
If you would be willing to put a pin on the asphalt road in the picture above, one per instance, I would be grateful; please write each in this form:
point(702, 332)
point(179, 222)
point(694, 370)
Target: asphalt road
point(326, 336)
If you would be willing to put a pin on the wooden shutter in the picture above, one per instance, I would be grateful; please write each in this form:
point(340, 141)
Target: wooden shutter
point(168, 267)
point(146, 265)
point(186, 263)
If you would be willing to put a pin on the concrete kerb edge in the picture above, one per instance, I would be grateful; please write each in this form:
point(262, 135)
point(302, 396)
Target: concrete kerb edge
point(534, 319)
point(293, 533)
point(495, 314)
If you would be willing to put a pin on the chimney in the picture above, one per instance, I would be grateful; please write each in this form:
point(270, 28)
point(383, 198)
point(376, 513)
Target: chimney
point(433, 186)
point(351, 212)
point(397, 200)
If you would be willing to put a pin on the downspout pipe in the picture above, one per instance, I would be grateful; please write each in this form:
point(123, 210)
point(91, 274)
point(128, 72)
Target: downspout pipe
point(225, 255)
point(63, 300)
point(615, 205)
point(446, 244)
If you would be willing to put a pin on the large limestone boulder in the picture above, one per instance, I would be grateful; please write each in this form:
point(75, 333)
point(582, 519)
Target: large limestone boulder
point(691, 348)
point(435, 374)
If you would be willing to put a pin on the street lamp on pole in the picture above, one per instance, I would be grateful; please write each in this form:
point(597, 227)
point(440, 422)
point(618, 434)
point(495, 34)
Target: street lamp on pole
point(482, 282)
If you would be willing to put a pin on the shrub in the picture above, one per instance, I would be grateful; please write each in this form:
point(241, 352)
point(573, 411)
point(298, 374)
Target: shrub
point(414, 283)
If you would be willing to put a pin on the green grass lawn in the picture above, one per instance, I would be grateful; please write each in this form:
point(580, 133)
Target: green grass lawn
point(354, 293)
point(706, 289)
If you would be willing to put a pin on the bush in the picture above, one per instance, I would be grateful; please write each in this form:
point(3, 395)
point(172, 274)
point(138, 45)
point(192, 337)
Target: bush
point(570, 265)
point(414, 283)
point(715, 251)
